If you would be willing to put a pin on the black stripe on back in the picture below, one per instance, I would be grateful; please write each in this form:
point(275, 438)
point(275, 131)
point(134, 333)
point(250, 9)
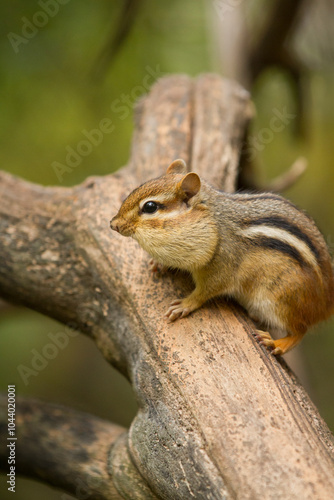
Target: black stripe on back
point(280, 246)
point(281, 223)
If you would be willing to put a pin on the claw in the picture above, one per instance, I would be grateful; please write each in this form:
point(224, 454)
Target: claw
point(176, 310)
point(265, 339)
point(185, 312)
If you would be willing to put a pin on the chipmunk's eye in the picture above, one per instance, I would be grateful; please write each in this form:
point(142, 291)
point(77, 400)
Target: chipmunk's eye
point(150, 207)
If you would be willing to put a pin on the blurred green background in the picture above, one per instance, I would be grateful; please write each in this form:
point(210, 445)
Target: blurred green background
point(48, 97)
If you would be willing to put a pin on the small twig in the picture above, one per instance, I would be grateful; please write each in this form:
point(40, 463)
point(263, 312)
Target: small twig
point(116, 38)
point(288, 178)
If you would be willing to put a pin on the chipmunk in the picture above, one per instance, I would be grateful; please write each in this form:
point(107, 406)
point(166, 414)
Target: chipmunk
point(258, 249)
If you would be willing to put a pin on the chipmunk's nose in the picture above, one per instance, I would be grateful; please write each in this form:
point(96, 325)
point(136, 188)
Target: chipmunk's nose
point(113, 225)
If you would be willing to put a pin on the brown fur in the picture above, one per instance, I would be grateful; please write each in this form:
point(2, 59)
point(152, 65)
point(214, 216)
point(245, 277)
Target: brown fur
point(259, 249)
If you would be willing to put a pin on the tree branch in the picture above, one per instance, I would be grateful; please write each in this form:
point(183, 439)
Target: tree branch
point(71, 450)
point(218, 416)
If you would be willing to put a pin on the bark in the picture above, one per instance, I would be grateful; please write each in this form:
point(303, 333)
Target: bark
point(69, 449)
point(219, 417)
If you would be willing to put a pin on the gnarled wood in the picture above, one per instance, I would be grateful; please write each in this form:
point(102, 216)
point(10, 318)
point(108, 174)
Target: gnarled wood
point(218, 416)
point(66, 448)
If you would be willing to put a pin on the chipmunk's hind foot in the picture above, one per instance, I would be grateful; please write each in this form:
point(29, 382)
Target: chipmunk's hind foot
point(279, 346)
point(265, 339)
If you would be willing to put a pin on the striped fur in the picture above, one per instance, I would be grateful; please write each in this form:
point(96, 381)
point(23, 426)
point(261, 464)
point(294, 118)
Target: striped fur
point(285, 225)
point(278, 234)
point(280, 246)
point(259, 249)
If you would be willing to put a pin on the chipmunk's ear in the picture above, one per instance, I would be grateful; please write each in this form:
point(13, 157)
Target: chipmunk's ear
point(177, 167)
point(190, 185)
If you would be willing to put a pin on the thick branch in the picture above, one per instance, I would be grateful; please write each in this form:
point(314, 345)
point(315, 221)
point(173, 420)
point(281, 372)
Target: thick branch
point(219, 417)
point(71, 450)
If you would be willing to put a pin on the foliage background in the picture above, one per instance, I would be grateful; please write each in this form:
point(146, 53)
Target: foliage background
point(48, 96)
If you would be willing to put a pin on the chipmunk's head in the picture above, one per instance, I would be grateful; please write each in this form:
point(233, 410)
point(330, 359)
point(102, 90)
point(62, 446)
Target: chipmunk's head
point(157, 202)
point(160, 214)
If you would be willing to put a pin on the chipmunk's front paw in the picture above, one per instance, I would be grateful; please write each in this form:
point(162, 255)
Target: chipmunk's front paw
point(181, 308)
point(176, 310)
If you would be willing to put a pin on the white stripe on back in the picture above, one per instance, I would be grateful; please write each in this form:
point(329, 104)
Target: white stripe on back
point(284, 236)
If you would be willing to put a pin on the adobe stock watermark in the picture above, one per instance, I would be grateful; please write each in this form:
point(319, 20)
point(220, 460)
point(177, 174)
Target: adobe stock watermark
point(40, 359)
point(278, 122)
point(122, 107)
point(83, 148)
point(30, 27)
